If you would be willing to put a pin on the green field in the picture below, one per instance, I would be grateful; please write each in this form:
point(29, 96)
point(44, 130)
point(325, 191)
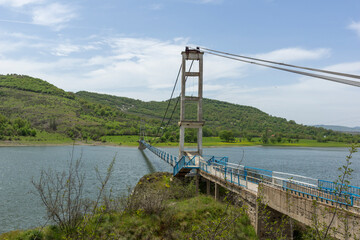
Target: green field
point(45, 138)
point(131, 140)
point(41, 138)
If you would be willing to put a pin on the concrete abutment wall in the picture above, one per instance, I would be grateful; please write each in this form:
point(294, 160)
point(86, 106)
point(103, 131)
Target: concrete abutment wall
point(305, 209)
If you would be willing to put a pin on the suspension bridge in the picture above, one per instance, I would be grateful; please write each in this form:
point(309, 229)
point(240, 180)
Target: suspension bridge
point(283, 193)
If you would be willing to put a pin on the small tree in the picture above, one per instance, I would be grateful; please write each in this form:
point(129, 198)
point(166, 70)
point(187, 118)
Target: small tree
point(249, 138)
point(320, 230)
point(227, 136)
point(62, 193)
point(264, 139)
point(53, 124)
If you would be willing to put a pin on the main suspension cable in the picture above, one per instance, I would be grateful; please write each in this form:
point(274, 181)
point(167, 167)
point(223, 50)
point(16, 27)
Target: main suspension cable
point(284, 64)
point(334, 79)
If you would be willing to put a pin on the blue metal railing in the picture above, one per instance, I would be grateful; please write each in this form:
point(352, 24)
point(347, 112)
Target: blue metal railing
point(350, 193)
point(257, 174)
point(170, 159)
point(185, 162)
point(179, 165)
point(223, 160)
point(192, 161)
point(319, 194)
point(335, 187)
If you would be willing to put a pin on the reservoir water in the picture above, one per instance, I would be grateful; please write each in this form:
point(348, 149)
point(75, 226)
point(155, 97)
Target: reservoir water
point(21, 207)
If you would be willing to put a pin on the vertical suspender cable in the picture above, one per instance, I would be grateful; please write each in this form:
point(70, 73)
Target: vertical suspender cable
point(167, 108)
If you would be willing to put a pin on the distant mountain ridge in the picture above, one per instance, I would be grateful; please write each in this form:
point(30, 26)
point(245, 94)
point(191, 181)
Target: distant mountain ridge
point(340, 128)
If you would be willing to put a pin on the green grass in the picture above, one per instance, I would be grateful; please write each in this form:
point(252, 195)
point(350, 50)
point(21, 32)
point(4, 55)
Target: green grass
point(217, 142)
point(44, 138)
point(311, 143)
point(41, 138)
point(125, 140)
point(49, 138)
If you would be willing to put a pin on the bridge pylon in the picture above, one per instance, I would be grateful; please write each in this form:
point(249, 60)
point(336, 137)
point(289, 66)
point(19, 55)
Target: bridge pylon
point(196, 56)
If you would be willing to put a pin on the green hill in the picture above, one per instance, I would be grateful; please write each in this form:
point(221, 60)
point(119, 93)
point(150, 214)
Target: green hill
point(44, 107)
point(243, 121)
point(53, 110)
point(27, 83)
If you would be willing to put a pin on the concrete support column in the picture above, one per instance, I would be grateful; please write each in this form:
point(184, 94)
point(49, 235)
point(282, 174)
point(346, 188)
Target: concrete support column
point(257, 219)
point(199, 140)
point(182, 141)
point(216, 191)
point(208, 184)
point(197, 177)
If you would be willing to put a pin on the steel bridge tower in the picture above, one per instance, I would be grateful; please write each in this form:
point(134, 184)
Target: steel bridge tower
point(196, 56)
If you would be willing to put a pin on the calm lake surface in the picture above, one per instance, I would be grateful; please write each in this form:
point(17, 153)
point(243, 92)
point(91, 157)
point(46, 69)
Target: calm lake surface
point(21, 208)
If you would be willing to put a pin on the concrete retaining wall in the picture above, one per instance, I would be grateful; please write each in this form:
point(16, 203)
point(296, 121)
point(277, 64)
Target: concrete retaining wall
point(305, 210)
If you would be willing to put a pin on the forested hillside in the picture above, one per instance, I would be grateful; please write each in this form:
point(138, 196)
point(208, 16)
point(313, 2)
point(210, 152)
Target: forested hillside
point(242, 121)
point(51, 109)
point(44, 107)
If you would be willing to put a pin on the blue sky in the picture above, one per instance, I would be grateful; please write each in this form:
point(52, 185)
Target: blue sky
point(132, 48)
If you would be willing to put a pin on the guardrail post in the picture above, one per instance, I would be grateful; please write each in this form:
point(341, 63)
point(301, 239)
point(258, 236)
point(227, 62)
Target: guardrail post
point(225, 172)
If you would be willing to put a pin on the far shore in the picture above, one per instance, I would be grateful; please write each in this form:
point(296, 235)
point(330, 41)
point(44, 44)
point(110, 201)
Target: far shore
point(134, 143)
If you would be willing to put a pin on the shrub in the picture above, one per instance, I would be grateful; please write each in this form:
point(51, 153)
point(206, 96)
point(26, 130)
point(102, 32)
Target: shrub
point(31, 235)
point(62, 193)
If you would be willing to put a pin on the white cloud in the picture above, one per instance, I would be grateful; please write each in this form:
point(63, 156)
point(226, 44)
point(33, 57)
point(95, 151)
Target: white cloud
point(356, 27)
point(53, 15)
point(6, 46)
point(216, 69)
point(19, 3)
point(20, 36)
point(294, 54)
point(156, 6)
point(137, 62)
point(309, 101)
point(42, 12)
point(13, 45)
point(65, 49)
point(350, 67)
